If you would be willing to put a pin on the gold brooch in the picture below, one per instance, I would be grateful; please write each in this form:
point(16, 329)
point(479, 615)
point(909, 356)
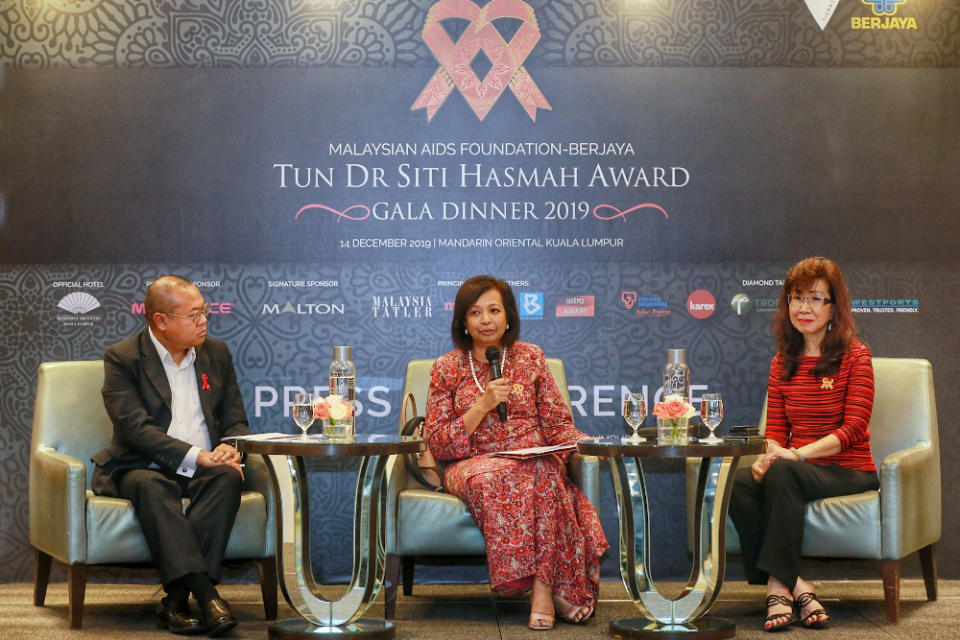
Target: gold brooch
point(826, 383)
point(517, 388)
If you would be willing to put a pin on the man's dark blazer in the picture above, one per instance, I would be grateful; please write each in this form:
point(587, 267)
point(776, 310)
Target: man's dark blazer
point(137, 397)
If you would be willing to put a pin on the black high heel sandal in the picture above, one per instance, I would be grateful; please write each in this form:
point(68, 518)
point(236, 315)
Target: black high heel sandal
point(803, 600)
point(788, 617)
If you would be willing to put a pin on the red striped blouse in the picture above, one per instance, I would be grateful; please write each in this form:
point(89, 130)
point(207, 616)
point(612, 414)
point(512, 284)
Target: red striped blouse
point(807, 407)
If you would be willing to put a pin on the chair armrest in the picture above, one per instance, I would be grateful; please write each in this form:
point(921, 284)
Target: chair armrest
point(58, 498)
point(585, 473)
point(396, 480)
point(256, 477)
point(909, 500)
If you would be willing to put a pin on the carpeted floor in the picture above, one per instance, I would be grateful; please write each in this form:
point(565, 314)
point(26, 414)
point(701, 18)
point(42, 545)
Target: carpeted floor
point(441, 612)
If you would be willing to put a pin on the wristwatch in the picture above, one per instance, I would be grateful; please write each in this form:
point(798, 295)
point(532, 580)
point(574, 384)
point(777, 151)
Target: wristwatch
point(797, 453)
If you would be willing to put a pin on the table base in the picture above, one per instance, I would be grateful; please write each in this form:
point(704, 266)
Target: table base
point(705, 628)
point(298, 629)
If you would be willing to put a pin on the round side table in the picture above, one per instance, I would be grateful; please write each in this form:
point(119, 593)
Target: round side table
point(685, 616)
point(321, 617)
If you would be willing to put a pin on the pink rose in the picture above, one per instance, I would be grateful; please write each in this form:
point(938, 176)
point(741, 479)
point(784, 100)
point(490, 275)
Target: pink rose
point(321, 410)
point(673, 408)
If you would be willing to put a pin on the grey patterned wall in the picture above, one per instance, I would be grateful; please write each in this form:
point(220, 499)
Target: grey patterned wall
point(386, 33)
point(910, 220)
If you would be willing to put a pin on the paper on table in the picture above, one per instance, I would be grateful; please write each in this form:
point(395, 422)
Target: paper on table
point(535, 452)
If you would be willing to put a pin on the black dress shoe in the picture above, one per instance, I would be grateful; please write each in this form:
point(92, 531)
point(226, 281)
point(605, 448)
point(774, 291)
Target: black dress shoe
point(216, 618)
point(175, 615)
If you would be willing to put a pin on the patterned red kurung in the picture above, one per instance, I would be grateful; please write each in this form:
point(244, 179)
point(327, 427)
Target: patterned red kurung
point(535, 522)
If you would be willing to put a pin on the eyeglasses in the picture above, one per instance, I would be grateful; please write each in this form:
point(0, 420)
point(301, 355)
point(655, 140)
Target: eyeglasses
point(814, 302)
point(202, 312)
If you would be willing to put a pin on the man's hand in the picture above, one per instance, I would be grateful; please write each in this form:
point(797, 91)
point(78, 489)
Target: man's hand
point(224, 455)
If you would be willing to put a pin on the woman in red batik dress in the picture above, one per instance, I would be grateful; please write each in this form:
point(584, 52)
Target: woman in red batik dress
point(541, 532)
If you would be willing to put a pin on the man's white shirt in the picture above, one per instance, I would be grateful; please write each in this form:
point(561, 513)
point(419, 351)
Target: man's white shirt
point(187, 422)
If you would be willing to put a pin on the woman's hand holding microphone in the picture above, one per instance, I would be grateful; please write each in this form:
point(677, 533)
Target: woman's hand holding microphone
point(497, 391)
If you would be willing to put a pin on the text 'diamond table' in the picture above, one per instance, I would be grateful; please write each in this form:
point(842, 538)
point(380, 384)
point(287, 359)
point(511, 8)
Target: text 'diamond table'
point(321, 617)
point(685, 616)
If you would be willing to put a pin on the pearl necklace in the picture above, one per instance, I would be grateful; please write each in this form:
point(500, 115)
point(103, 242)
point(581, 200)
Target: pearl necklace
point(473, 370)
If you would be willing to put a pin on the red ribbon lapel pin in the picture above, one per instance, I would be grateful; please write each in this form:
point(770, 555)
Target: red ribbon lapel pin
point(205, 386)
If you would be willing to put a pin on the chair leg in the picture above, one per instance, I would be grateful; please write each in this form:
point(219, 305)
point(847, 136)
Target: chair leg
point(890, 573)
point(267, 570)
point(42, 579)
point(406, 565)
point(77, 587)
point(391, 577)
point(928, 562)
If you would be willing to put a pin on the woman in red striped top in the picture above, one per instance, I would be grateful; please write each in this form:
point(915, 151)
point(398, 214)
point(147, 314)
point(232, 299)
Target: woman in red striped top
point(819, 400)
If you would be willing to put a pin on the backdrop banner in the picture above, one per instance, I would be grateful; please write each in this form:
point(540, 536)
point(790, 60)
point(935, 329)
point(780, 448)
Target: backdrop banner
point(332, 176)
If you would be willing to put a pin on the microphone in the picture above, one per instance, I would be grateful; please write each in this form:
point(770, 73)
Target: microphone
point(493, 357)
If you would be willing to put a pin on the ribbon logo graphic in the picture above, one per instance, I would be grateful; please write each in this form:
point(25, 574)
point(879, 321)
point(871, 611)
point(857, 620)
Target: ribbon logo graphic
point(507, 58)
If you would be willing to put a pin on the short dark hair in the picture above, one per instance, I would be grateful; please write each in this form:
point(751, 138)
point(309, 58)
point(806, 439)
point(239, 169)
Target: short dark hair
point(161, 295)
point(469, 292)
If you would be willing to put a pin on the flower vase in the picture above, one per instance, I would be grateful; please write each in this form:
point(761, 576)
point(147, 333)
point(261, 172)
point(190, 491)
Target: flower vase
point(673, 431)
point(321, 426)
point(338, 430)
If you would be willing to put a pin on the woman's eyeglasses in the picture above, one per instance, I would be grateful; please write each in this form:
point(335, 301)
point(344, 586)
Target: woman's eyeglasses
point(814, 302)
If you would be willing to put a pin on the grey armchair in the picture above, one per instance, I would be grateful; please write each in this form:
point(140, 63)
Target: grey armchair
point(904, 515)
point(429, 527)
point(70, 524)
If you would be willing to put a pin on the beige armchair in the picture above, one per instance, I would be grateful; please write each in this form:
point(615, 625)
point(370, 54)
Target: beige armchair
point(70, 524)
point(429, 527)
point(904, 515)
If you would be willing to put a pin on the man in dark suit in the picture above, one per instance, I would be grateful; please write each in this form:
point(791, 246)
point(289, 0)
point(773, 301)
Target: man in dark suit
point(172, 395)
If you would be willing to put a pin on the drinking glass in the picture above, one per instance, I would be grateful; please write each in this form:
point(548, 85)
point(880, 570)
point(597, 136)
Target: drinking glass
point(711, 412)
point(634, 412)
point(303, 411)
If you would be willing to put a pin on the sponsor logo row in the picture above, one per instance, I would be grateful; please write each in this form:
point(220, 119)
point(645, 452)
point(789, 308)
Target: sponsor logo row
point(742, 304)
point(81, 308)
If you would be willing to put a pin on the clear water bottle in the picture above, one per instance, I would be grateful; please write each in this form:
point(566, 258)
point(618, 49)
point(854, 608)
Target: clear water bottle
point(343, 382)
point(676, 381)
point(676, 375)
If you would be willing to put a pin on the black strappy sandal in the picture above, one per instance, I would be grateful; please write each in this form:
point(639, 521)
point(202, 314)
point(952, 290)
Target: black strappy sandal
point(803, 600)
point(789, 617)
